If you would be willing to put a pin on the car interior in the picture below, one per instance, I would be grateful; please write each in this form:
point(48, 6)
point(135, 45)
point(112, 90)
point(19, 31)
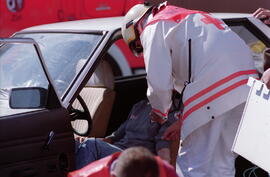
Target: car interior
point(99, 95)
point(109, 100)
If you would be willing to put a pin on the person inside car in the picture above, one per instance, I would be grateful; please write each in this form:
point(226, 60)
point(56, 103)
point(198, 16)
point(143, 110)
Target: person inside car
point(137, 130)
point(193, 48)
point(132, 162)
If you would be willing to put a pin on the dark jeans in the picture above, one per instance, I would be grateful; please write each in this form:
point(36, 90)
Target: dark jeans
point(91, 150)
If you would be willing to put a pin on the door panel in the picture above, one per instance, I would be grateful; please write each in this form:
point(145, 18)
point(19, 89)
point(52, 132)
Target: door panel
point(23, 146)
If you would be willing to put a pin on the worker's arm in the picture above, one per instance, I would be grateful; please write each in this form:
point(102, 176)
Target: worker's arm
point(158, 65)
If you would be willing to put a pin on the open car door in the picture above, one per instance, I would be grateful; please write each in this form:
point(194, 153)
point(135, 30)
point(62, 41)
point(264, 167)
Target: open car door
point(36, 137)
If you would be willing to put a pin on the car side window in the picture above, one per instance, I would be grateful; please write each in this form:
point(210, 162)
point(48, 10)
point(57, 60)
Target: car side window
point(23, 83)
point(62, 51)
point(256, 46)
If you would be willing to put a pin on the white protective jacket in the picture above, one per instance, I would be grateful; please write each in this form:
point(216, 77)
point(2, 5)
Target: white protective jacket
point(221, 63)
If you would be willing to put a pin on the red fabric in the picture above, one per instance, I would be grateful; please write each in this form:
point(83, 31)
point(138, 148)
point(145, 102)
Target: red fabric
point(165, 169)
point(133, 61)
point(218, 84)
point(213, 97)
point(177, 14)
point(172, 13)
point(99, 168)
point(218, 94)
point(159, 112)
point(210, 20)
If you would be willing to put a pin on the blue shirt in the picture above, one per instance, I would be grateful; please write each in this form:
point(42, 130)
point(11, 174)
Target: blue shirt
point(138, 130)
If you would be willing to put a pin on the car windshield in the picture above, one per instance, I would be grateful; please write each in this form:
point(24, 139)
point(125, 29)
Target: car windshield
point(62, 53)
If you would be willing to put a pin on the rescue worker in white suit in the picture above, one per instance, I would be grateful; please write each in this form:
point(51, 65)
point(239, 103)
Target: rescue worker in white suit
point(181, 46)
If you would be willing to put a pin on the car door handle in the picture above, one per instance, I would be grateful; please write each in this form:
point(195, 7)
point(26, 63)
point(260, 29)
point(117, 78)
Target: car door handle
point(48, 140)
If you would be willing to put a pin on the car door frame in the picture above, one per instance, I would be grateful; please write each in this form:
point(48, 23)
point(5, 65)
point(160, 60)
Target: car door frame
point(87, 70)
point(38, 142)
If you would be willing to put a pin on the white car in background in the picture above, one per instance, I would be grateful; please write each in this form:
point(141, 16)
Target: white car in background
point(46, 95)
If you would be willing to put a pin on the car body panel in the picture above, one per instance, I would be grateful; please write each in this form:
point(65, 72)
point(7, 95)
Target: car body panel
point(19, 14)
point(231, 15)
point(259, 24)
point(98, 24)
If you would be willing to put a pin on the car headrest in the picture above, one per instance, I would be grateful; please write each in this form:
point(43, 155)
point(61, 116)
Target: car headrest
point(102, 76)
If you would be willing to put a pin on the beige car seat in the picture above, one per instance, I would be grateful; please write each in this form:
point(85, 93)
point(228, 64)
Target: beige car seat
point(99, 96)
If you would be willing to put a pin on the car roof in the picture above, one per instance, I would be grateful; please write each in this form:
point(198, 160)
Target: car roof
point(231, 15)
point(97, 24)
point(105, 24)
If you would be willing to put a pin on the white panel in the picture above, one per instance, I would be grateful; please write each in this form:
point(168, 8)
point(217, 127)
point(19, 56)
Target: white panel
point(253, 137)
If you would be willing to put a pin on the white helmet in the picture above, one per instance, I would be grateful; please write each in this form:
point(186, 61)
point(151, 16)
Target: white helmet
point(129, 29)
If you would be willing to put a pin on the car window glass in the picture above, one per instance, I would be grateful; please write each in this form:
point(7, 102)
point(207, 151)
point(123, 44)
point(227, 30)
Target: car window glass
point(123, 61)
point(62, 52)
point(20, 67)
point(256, 46)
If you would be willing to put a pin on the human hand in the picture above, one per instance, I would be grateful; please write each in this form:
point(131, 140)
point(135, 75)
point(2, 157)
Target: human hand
point(263, 14)
point(173, 131)
point(156, 118)
point(80, 139)
point(266, 78)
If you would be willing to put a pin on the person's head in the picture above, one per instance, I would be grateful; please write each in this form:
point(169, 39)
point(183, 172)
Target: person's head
point(130, 30)
point(136, 162)
point(266, 63)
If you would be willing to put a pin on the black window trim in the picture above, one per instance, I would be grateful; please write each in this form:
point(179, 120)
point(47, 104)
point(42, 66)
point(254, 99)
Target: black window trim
point(250, 27)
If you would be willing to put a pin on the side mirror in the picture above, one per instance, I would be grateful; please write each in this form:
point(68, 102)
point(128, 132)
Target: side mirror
point(28, 98)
